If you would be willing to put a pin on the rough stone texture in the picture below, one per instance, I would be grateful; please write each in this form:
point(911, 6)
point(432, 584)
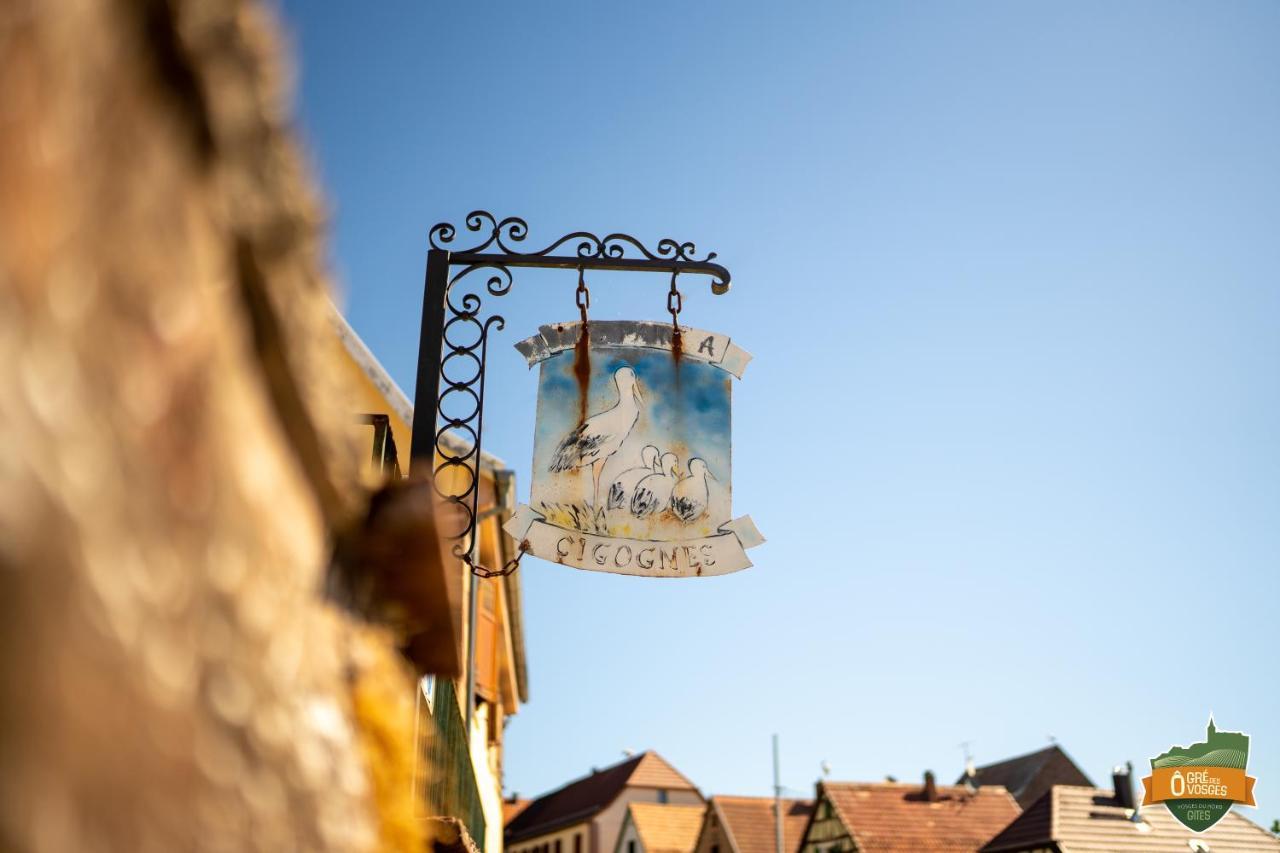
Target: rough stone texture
point(171, 460)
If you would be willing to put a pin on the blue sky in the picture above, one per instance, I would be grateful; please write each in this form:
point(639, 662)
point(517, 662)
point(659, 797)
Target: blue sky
point(1009, 274)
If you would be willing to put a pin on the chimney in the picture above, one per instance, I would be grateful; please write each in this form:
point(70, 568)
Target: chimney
point(930, 787)
point(1122, 782)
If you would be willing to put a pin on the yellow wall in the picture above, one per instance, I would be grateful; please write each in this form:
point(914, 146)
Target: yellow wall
point(377, 395)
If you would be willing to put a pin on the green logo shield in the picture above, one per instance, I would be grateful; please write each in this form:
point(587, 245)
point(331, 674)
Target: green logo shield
point(1199, 783)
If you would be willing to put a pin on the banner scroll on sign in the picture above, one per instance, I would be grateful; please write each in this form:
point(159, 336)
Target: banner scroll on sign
point(632, 451)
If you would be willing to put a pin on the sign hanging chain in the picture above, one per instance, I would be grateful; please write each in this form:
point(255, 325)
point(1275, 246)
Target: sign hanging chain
point(511, 565)
point(582, 296)
point(675, 301)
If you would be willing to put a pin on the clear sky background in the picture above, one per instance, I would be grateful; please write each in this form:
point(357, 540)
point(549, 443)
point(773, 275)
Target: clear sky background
point(1010, 275)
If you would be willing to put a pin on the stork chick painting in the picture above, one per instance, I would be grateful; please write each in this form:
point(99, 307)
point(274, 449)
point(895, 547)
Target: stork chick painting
point(600, 436)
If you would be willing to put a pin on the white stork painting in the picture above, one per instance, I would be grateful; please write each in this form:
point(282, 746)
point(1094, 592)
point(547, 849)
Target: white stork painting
point(599, 436)
point(632, 443)
point(632, 451)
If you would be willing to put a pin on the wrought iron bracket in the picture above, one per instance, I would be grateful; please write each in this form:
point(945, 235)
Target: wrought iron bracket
point(448, 405)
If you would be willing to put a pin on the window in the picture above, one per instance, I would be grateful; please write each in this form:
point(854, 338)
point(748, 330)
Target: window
point(662, 795)
point(577, 842)
point(631, 845)
point(715, 848)
point(428, 686)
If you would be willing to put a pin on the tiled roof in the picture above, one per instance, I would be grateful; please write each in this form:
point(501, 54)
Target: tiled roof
point(1089, 820)
point(582, 799)
point(511, 808)
point(1028, 777)
point(891, 817)
point(654, 772)
point(749, 825)
point(667, 828)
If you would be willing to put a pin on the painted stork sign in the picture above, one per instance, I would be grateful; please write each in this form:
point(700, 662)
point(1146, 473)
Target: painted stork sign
point(631, 453)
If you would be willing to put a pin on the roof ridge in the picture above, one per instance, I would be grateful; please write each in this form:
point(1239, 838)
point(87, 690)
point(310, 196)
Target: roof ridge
point(595, 771)
point(1050, 748)
point(915, 785)
point(574, 800)
point(766, 797)
point(653, 754)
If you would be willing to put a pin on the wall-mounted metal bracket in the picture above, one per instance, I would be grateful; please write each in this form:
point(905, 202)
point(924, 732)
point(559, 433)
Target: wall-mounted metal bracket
point(448, 423)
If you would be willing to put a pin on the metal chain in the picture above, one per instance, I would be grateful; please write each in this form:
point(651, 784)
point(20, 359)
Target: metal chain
point(484, 572)
point(582, 296)
point(675, 301)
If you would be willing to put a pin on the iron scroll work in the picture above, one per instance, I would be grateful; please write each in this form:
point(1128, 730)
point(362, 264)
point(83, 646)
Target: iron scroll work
point(454, 341)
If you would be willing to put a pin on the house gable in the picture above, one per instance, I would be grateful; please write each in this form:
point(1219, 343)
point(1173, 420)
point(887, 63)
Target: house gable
point(826, 831)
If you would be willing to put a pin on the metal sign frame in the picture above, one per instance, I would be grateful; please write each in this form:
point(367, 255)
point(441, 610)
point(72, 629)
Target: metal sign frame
point(454, 337)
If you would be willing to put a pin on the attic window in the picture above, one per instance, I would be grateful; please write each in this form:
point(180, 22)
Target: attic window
point(662, 795)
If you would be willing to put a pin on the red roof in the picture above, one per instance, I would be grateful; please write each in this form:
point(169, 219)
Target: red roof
point(583, 798)
point(513, 807)
point(748, 822)
point(891, 817)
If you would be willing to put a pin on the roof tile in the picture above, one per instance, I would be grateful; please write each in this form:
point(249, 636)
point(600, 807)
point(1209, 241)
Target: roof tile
point(1028, 777)
point(667, 828)
point(890, 817)
point(749, 822)
point(1089, 820)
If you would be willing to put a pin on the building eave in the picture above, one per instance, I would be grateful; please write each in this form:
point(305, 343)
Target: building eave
point(395, 397)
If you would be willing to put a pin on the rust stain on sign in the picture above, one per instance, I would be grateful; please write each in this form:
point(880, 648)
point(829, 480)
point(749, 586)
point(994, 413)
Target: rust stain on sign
point(582, 370)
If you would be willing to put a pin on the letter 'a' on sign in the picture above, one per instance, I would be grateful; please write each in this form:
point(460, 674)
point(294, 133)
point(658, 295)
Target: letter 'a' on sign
point(632, 451)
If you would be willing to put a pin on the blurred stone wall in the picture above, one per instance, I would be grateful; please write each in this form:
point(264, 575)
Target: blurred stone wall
point(171, 461)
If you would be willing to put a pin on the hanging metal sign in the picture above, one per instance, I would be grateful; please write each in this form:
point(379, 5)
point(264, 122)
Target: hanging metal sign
point(632, 451)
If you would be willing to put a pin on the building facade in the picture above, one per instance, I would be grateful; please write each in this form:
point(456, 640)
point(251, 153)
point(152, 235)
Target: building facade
point(586, 815)
point(460, 748)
